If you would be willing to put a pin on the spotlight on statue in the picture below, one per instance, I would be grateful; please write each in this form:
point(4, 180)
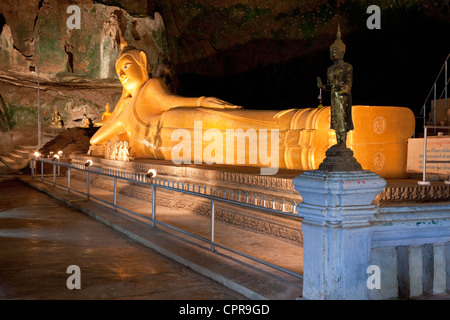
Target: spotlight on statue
point(151, 173)
point(60, 153)
point(88, 163)
point(55, 157)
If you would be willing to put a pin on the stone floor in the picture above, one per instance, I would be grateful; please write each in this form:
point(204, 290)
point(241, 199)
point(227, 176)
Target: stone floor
point(240, 278)
point(40, 238)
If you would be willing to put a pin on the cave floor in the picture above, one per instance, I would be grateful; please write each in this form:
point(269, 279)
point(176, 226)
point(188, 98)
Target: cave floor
point(237, 277)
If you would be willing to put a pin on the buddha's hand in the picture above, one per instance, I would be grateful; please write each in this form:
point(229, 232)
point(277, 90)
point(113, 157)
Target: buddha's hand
point(319, 83)
point(212, 102)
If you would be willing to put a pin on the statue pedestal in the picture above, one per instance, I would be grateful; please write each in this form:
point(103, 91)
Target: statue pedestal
point(97, 150)
point(339, 158)
point(336, 210)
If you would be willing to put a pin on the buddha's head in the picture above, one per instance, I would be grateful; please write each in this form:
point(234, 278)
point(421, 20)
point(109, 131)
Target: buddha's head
point(337, 49)
point(131, 67)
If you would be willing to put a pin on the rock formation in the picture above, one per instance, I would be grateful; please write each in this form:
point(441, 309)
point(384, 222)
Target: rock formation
point(74, 67)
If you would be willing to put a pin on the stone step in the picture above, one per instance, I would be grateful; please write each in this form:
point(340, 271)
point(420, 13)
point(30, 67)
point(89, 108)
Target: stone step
point(19, 157)
point(29, 149)
point(9, 162)
point(22, 152)
point(25, 154)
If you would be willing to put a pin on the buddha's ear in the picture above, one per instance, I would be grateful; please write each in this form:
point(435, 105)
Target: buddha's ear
point(143, 58)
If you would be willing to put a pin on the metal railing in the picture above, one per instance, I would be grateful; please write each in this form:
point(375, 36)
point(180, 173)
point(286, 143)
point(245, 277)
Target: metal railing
point(424, 182)
point(210, 193)
point(435, 98)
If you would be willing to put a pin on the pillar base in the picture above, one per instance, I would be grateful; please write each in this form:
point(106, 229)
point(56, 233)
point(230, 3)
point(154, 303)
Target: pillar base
point(336, 210)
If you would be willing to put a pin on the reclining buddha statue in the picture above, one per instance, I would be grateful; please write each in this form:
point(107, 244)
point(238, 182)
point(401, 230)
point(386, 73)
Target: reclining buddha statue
point(159, 124)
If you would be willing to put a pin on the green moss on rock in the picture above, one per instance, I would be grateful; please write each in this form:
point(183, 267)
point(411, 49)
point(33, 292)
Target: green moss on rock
point(19, 116)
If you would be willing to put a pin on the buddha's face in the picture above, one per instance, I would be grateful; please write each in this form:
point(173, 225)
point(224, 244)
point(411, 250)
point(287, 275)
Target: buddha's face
point(336, 54)
point(131, 73)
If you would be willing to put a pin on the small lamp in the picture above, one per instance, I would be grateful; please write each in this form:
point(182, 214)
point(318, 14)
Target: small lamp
point(151, 173)
point(88, 163)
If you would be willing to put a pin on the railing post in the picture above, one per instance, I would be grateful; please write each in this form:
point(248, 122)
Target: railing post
point(445, 83)
point(42, 171)
point(153, 205)
point(424, 114)
point(424, 182)
point(115, 194)
point(435, 111)
point(54, 172)
point(87, 184)
point(68, 179)
point(212, 225)
point(32, 164)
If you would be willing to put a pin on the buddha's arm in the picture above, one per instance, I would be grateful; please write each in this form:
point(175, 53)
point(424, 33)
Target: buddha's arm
point(170, 100)
point(114, 125)
point(105, 133)
point(320, 85)
point(121, 104)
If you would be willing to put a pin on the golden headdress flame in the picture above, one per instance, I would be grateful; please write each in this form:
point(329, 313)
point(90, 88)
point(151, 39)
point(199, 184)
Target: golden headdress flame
point(338, 42)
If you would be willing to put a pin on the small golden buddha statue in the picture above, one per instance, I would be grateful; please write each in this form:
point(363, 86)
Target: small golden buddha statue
point(105, 115)
point(85, 121)
point(57, 121)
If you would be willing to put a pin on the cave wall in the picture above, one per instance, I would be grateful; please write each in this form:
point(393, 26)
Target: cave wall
point(267, 54)
point(76, 66)
point(35, 32)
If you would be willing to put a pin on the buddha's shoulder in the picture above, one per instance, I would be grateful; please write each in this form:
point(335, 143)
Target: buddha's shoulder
point(155, 83)
point(348, 66)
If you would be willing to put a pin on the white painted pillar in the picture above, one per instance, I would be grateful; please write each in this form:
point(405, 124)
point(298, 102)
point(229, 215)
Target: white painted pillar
point(336, 210)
